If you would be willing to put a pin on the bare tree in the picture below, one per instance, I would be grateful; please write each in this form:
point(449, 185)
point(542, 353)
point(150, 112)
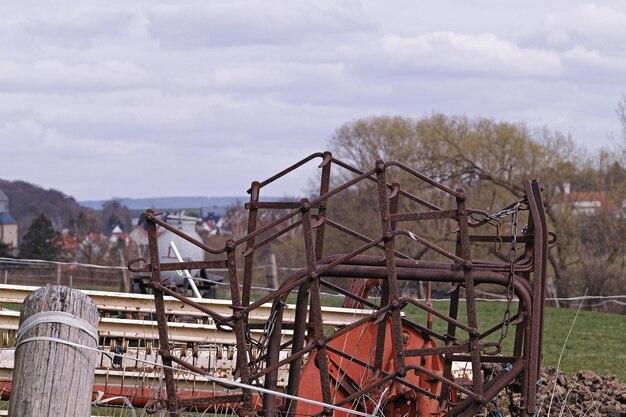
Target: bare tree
point(490, 160)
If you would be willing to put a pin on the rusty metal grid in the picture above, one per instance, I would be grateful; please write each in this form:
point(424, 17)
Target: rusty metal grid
point(392, 363)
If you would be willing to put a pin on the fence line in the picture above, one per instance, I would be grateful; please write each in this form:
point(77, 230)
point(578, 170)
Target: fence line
point(492, 297)
point(37, 262)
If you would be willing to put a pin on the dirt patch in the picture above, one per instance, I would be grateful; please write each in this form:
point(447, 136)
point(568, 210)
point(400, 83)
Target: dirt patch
point(584, 394)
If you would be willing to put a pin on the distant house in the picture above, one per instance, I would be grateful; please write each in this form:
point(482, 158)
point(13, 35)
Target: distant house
point(118, 236)
point(8, 225)
point(69, 241)
point(587, 202)
point(138, 240)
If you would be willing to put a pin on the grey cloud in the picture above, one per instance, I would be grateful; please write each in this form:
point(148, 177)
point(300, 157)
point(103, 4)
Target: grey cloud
point(250, 23)
point(57, 75)
point(70, 28)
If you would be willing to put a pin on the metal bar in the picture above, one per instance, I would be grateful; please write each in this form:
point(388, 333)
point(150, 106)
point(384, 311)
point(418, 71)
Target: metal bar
point(164, 343)
point(442, 350)
point(289, 169)
point(372, 178)
point(299, 334)
point(240, 327)
point(151, 217)
point(470, 406)
point(388, 238)
point(323, 206)
point(533, 193)
point(348, 294)
point(157, 286)
point(521, 287)
point(424, 215)
point(505, 239)
point(470, 296)
point(174, 266)
point(316, 304)
point(186, 273)
point(438, 377)
point(437, 313)
point(294, 213)
point(361, 237)
point(453, 312)
point(249, 252)
point(271, 205)
point(272, 357)
point(423, 177)
point(278, 234)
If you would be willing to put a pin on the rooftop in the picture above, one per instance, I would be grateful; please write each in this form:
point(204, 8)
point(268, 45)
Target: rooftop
point(6, 218)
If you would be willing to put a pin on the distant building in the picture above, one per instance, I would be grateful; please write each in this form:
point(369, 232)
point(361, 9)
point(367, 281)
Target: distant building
point(8, 225)
point(588, 203)
point(118, 236)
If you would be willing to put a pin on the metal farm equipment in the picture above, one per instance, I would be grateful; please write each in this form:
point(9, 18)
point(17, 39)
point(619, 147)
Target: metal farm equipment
point(294, 362)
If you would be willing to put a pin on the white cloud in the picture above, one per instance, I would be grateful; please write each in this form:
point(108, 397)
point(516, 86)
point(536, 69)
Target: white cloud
point(590, 22)
point(579, 56)
point(483, 54)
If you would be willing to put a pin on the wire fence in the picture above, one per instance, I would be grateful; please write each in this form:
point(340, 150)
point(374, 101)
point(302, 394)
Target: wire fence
point(37, 272)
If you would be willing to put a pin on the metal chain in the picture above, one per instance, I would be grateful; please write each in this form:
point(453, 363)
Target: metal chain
point(514, 211)
point(507, 212)
point(261, 344)
point(271, 323)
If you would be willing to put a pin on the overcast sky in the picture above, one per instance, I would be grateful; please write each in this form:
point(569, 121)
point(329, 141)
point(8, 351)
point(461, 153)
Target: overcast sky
point(159, 98)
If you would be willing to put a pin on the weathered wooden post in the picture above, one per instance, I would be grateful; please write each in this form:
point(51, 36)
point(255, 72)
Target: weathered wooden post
point(51, 376)
point(272, 273)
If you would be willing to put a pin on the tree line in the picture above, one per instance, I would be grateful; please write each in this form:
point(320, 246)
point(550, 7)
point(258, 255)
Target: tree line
point(49, 219)
point(490, 160)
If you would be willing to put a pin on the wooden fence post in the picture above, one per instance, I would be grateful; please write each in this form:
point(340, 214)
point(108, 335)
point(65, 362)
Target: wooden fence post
point(273, 281)
point(125, 287)
point(51, 378)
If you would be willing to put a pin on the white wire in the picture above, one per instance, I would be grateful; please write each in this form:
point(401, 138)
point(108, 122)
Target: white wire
point(56, 317)
point(576, 298)
point(100, 402)
point(44, 262)
point(40, 261)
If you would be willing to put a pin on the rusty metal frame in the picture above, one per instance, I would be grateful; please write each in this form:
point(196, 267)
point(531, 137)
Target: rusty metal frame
point(461, 342)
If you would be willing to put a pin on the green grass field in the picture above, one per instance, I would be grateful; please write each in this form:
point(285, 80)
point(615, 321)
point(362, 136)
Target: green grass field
point(597, 341)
